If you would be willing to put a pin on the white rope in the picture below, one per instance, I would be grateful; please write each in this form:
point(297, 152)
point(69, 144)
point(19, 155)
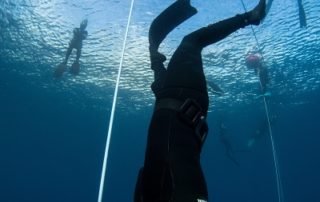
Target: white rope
point(275, 159)
point(105, 159)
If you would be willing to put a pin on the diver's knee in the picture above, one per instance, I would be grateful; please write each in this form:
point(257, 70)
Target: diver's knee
point(189, 42)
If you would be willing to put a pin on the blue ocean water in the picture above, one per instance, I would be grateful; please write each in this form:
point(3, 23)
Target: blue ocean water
point(53, 131)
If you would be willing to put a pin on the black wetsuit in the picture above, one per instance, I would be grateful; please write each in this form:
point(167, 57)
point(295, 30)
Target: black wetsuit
point(78, 36)
point(76, 42)
point(172, 171)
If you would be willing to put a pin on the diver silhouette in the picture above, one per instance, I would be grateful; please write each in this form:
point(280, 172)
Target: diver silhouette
point(254, 61)
point(178, 128)
point(79, 34)
point(226, 141)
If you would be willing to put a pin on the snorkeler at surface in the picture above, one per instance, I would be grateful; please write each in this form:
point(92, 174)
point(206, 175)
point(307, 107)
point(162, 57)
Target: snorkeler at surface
point(79, 34)
point(177, 131)
point(254, 61)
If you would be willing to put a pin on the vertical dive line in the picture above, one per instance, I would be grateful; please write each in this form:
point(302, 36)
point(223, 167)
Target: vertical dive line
point(275, 159)
point(105, 158)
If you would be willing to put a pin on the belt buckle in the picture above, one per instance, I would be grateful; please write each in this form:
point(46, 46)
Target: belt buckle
point(191, 112)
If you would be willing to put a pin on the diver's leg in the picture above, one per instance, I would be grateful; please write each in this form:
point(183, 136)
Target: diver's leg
point(160, 72)
point(78, 54)
point(170, 18)
point(185, 68)
point(220, 30)
point(75, 67)
point(157, 65)
point(172, 170)
point(69, 50)
point(188, 178)
point(62, 66)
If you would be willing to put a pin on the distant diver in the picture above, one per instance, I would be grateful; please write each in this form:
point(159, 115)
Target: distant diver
point(79, 34)
point(254, 61)
point(261, 131)
point(225, 140)
point(302, 15)
point(178, 128)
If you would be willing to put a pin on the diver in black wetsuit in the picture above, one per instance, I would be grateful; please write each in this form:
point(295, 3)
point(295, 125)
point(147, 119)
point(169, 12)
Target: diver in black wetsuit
point(172, 171)
point(79, 34)
point(254, 61)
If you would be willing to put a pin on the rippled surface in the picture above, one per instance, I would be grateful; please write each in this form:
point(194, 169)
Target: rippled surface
point(37, 33)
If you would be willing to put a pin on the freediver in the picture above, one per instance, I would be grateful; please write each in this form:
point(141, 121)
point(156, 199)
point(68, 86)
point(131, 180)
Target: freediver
point(254, 61)
point(79, 34)
point(225, 140)
point(261, 131)
point(178, 128)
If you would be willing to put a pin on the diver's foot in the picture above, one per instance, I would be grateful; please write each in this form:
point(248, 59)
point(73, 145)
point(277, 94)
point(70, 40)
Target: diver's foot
point(75, 68)
point(156, 56)
point(60, 70)
point(258, 13)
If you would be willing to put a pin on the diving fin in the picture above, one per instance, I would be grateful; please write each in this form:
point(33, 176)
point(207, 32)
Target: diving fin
point(61, 68)
point(75, 68)
point(171, 17)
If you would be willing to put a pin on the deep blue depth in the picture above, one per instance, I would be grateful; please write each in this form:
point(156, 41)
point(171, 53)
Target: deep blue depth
point(53, 151)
